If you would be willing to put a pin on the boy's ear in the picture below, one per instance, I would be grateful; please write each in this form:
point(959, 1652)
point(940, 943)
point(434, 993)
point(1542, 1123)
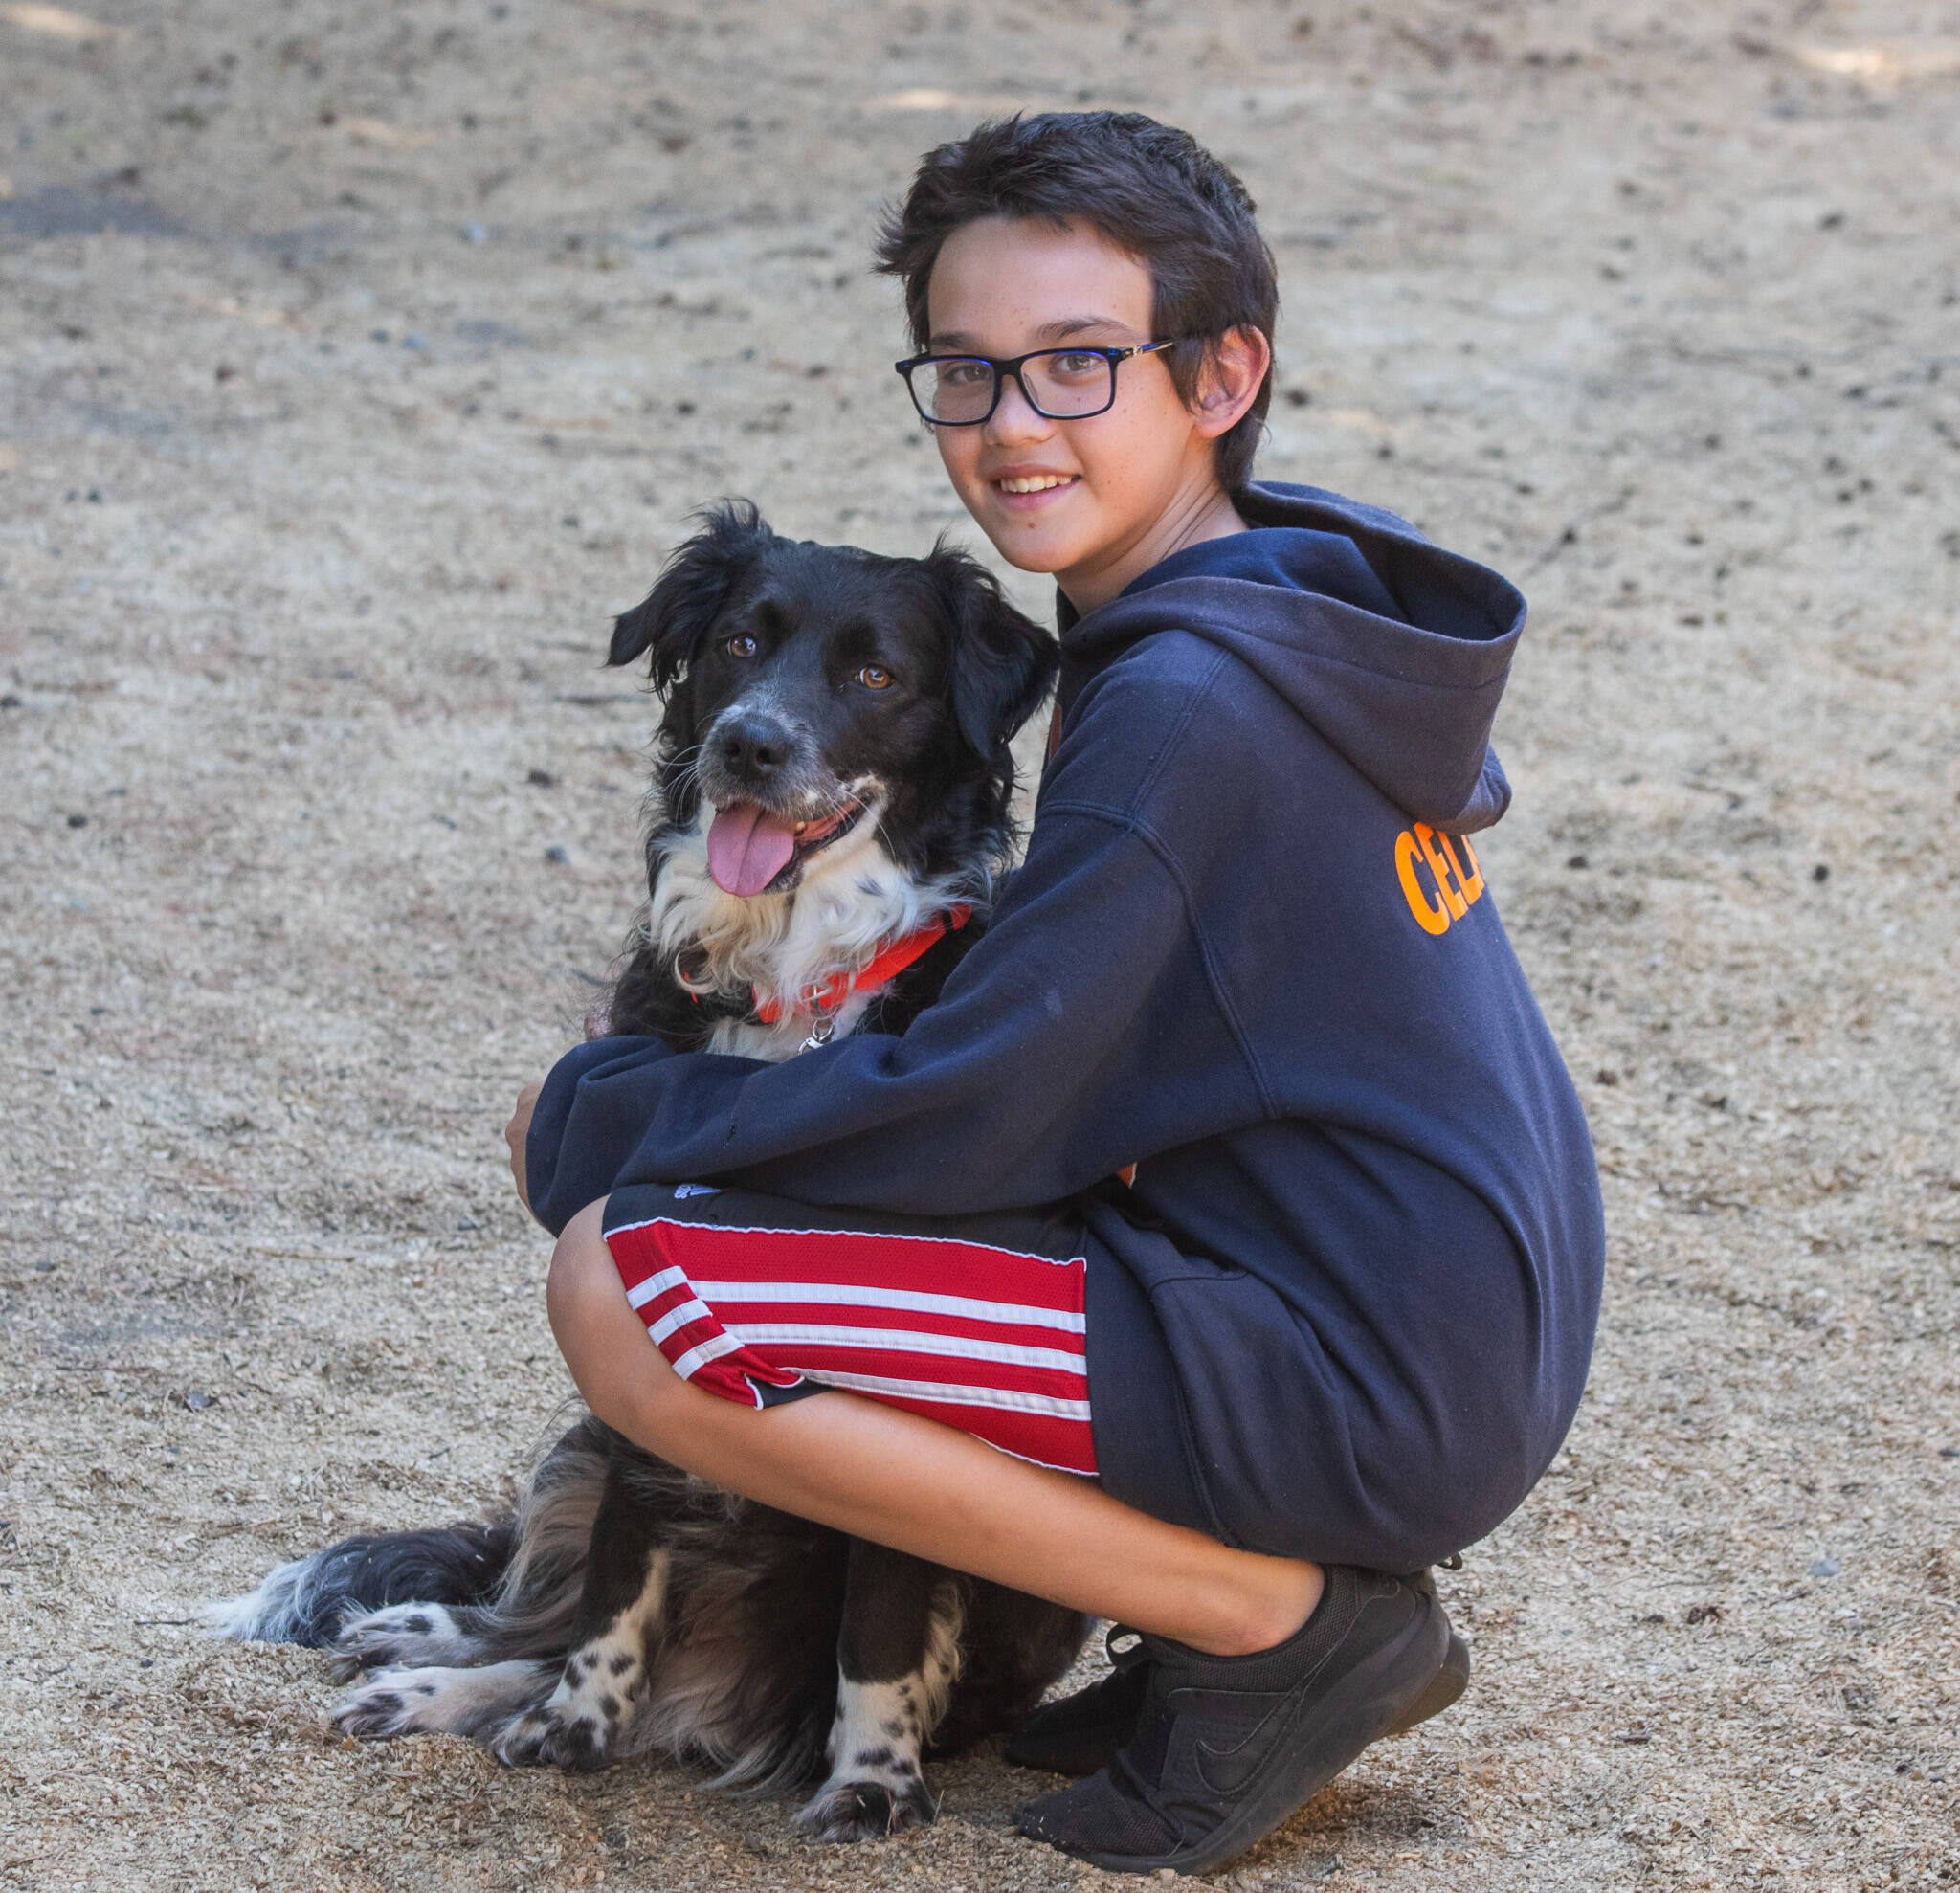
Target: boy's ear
point(1003, 662)
point(693, 588)
point(1234, 370)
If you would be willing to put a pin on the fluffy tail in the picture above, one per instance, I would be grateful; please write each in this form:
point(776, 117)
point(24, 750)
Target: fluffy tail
point(513, 1583)
point(305, 1601)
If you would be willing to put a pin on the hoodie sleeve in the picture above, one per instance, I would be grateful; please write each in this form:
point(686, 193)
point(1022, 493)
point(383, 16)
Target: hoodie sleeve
point(1083, 1032)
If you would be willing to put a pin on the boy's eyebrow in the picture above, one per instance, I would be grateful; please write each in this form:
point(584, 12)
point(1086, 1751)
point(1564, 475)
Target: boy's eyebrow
point(1062, 330)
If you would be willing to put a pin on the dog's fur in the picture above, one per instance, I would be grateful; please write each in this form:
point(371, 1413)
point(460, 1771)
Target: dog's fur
point(624, 1605)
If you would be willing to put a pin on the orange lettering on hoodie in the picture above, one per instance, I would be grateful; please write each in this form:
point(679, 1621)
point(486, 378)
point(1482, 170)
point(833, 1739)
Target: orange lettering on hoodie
point(1425, 836)
point(1473, 888)
point(1428, 847)
point(1429, 917)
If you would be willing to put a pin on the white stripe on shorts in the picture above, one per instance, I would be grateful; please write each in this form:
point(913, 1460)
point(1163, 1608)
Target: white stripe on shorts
point(1019, 1314)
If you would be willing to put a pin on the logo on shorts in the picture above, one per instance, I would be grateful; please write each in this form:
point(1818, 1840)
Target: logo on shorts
point(684, 1191)
point(1434, 883)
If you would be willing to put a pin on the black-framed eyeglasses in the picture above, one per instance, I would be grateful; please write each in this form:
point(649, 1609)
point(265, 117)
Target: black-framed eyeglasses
point(1059, 384)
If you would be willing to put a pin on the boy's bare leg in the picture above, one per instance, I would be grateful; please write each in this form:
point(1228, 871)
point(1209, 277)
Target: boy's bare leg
point(909, 1482)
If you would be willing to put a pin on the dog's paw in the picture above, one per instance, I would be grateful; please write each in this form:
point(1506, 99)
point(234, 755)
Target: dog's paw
point(576, 1726)
point(545, 1739)
point(867, 1809)
point(404, 1636)
point(386, 1704)
point(472, 1700)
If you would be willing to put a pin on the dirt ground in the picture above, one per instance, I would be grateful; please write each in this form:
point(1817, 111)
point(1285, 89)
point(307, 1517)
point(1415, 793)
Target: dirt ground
point(360, 360)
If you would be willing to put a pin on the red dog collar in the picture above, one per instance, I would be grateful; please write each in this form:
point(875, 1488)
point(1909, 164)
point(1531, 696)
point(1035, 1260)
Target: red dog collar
point(886, 965)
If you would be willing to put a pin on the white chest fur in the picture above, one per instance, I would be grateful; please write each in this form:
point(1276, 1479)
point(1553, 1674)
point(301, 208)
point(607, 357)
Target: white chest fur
point(852, 900)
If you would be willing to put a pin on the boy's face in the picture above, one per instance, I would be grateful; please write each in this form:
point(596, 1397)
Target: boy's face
point(1113, 492)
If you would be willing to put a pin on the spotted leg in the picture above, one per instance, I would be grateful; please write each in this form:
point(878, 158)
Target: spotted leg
point(897, 1654)
point(621, 1612)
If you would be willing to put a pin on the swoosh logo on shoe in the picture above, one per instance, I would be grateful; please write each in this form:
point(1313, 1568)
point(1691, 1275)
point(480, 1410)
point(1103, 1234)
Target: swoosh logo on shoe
point(1226, 1768)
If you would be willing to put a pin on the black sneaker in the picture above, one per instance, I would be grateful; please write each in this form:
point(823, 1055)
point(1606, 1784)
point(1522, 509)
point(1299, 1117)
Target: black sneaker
point(1226, 1748)
point(1081, 1733)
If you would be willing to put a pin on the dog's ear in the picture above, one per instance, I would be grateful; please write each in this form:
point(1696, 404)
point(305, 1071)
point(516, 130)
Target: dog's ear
point(1003, 662)
point(693, 587)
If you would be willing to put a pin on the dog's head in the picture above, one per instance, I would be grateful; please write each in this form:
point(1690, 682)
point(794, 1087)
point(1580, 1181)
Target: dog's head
point(814, 690)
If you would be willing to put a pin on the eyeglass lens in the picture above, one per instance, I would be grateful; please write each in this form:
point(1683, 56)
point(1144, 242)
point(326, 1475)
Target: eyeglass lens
point(1062, 383)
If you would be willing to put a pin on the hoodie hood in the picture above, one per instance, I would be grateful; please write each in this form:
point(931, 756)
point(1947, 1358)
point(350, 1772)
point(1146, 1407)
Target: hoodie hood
point(1393, 650)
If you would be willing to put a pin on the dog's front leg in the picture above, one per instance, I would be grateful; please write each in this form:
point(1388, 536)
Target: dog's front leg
point(897, 1654)
point(621, 1612)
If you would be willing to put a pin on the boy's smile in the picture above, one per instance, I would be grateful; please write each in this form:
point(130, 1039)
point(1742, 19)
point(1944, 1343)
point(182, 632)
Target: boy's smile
point(1099, 499)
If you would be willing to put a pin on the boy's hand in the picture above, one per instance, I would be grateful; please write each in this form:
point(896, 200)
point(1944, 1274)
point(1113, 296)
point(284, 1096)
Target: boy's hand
point(516, 1131)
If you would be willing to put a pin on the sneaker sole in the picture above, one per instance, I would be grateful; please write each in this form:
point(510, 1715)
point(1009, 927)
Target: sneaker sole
point(1423, 1648)
point(1447, 1685)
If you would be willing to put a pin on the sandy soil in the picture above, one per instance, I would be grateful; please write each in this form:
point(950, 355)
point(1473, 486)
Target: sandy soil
point(361, 359)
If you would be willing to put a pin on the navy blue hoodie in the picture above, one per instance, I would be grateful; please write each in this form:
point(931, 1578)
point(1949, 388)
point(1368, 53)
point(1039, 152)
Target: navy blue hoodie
point(1346, 1309)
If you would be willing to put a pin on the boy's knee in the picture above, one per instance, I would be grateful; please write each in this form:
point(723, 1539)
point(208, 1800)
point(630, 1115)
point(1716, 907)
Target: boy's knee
point(580, 1262)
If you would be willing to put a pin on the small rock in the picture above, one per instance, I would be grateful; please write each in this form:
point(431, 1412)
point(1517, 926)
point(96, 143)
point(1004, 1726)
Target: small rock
point(44, 1268)
point(1577, 861)
point(559, 857)
point(1950, 1452)
point(1821, 872)
point(197, 1399)
point(1633, 1735)
point(1606, 1075)
point(542, 779)
point(476, 233)
point(78, 821)
point(1824, 1567)
point(464, 1223)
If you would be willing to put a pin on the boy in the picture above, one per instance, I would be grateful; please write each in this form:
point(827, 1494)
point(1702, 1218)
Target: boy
point(1339, 1321)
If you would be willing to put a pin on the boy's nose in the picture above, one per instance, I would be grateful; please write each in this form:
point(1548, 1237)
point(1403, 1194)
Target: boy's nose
point(1013, 419)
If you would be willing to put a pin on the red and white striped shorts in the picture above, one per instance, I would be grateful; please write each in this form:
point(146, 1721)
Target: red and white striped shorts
point(977, 1321)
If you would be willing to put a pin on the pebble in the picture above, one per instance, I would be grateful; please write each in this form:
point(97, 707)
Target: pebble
point(1824, 1567)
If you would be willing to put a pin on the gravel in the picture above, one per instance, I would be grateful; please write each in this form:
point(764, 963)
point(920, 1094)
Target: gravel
point(363, 360)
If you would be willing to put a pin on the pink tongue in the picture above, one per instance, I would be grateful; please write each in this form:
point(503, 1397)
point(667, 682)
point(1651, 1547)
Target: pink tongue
point(747, 848)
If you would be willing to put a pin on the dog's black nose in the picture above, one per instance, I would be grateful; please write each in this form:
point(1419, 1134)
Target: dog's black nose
point(753, 746)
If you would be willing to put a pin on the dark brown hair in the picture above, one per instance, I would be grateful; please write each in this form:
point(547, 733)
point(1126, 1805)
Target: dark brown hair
point(1151, 190)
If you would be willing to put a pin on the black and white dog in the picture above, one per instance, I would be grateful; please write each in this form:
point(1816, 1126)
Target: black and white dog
point(834, 776)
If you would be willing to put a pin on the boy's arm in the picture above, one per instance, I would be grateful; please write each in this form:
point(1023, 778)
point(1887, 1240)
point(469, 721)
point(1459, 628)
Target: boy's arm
point(557, 1176)
point(1080, 1034)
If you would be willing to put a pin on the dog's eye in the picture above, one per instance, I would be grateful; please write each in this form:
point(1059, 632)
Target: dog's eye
point(741, 645)
point(874, 677)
